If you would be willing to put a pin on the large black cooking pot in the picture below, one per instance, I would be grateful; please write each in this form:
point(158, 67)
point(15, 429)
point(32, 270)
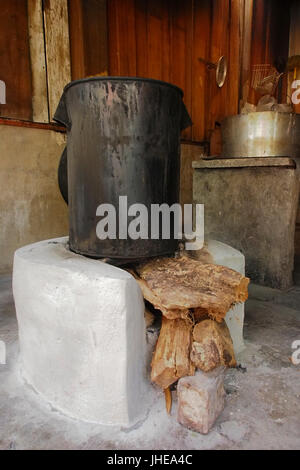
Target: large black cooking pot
point(123, 140)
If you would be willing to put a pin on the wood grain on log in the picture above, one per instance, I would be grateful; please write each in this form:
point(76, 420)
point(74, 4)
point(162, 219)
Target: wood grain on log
point(178, 285)
point(171, 359)
point(212, 346)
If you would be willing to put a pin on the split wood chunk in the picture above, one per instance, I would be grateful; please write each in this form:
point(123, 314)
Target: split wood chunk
point(212, 346)
point(168, 398)
point(171, 358)
point(177, 286)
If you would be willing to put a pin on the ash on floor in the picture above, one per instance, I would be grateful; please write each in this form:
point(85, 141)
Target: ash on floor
point(262, 404)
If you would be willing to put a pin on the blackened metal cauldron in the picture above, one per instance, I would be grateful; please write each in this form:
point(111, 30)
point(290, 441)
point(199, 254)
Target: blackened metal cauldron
point(123, 140)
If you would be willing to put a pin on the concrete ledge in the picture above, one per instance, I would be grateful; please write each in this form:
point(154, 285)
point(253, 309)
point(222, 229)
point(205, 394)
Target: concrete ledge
point(245, 162)
point(253, 209)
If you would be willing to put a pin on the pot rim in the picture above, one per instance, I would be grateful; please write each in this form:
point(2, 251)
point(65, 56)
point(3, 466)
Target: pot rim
point(120, 78)
point(258, 114)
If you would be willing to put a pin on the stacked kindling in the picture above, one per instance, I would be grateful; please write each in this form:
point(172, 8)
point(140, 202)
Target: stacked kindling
point(193, 297)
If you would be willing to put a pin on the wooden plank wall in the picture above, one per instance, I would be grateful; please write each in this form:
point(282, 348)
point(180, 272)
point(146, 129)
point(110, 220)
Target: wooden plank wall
point(270, 35)
point(246, 17)
point(163, 40)
point(15, 59)
point(40, 108)
point(294, 49)
point(88, 37)
point(57, 50)
point(150, 38)
point(34, 57)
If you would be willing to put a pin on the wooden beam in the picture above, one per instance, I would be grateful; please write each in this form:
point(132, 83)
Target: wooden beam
point(40, 111)
point(57, 50)
point(32, 125)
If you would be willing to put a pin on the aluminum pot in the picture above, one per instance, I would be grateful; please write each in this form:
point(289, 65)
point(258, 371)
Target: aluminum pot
point(123, 139)
point(261, 134)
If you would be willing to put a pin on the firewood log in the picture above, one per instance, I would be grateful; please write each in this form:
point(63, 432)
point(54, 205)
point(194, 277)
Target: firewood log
point(212, 346)
point(171, 359)
point(177, 286)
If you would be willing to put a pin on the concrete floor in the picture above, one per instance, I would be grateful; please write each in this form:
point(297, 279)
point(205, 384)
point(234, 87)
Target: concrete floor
point(262, 405)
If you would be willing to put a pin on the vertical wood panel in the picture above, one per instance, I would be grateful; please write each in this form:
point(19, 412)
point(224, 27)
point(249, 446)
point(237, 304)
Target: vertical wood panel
point(270, 34)
point(246, 16)
point(122, 38)
point(189, 46)
point(166, 39)
point(181, 50)
point(294, 49)
point(141, 16)
point(15, 59)
point(155, 39)
point(114, 38)
point(219, 45)
point(95, 36)
point(76, 32)
point(294, 45)
point(88, 37)
point(258, 41)
point(38, 61)
point(233, 79)
point(57, 50)
point(259, 32)
point(127, 30)
point(200, 78)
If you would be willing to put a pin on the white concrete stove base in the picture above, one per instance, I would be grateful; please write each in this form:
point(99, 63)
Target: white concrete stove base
point(82, 333)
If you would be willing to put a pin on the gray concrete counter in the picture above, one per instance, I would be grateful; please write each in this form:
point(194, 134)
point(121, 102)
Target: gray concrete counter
point(251, 204)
